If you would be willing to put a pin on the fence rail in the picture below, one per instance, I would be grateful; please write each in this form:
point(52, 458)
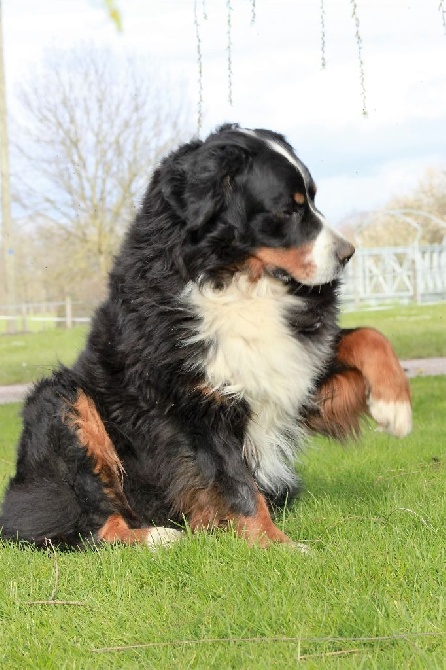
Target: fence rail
point(382, 274)
point(374, 276)
point(27, 317)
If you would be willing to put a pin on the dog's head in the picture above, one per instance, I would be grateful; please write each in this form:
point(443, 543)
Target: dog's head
point(246, 201)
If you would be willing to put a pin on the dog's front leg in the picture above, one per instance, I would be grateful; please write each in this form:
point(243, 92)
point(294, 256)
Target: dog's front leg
point(217, 489)
point(259, 527)
point(388, 391)
point(209, 510)
point(367, 379)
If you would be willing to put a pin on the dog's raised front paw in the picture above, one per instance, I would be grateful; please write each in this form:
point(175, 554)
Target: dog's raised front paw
point(392, 416)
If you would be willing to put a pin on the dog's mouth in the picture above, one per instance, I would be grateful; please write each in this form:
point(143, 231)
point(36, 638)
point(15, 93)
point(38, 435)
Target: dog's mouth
point(285, 278)
point(279, 274)
point(317, 262)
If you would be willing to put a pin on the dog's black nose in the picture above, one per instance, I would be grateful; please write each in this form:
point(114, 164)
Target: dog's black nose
point(344, 251)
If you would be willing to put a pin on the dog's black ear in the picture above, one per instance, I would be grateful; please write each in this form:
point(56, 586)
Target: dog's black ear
point(173, 175)
point(195, 178)
point(197, 181)
point(210, 182)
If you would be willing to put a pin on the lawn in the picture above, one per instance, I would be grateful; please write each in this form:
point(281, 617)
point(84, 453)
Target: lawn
point(30, 356)
point(417, 331)
point(370, 594)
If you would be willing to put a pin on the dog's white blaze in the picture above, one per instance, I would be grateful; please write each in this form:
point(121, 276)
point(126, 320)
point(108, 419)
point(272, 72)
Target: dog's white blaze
point(275, 146)
point(395, 417)
point(280, 149)
point(254, 356)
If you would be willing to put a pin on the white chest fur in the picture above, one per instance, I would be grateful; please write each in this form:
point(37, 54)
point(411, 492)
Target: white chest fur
point(254, 355)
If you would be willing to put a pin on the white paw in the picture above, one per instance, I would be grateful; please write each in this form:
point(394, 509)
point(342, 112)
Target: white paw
point(159, 536)
point(395, 417)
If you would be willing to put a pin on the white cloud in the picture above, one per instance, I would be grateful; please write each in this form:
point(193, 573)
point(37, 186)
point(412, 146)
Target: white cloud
point(344, 194)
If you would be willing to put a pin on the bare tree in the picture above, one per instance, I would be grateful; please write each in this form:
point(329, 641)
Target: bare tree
point(430, 196)
point(93, 127)
point(419, 215)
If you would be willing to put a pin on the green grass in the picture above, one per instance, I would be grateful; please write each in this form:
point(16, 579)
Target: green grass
point(35, 323)
point(30, 356)
point(374, 517)
point(416, 331)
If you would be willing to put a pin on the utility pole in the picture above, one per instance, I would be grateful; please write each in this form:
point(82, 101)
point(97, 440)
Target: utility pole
point(7, 237)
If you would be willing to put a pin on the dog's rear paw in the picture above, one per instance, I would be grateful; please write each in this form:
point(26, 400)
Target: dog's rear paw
point(394, 417)
point(159, 536)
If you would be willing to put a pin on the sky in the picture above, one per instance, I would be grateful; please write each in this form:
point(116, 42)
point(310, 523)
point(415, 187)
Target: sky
point(278, 82)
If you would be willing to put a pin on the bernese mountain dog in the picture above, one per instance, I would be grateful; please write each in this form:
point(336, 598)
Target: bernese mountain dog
point(215, 354)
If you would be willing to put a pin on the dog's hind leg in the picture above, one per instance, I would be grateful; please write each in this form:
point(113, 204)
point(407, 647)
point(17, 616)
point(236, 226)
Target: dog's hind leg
point(122, 525)
point(39, 510)
point(116, 529)
point(68, 483)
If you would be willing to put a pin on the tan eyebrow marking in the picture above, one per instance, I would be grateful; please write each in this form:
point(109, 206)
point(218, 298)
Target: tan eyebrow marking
point(299, 198)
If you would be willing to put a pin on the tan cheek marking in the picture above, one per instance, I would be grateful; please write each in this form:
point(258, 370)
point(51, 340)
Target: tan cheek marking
point(255, 267)
point(299, 198)
point(296, 261)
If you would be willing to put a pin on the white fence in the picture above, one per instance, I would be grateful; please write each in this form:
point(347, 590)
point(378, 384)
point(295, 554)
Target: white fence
point(28, 317)
point(382, 274)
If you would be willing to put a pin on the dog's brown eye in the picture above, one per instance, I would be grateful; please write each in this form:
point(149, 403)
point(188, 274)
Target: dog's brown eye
point(299, 198)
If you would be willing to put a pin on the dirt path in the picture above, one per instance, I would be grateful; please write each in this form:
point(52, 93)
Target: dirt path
point(425, 367)
point(13, 393)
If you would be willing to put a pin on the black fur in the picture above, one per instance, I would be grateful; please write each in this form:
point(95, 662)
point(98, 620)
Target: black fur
point(208, 206)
